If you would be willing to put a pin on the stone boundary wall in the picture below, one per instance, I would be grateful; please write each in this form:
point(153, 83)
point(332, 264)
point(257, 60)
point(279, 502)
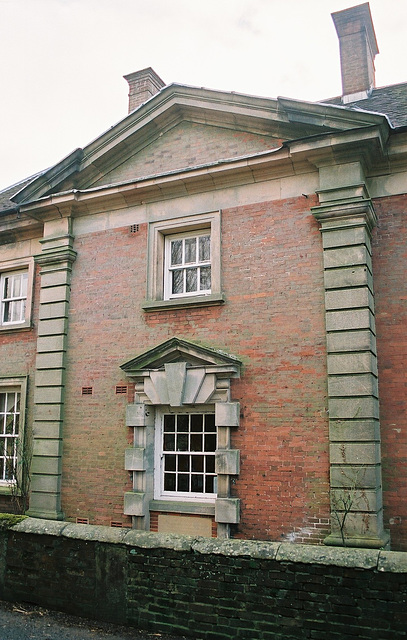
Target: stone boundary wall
point(206, 588)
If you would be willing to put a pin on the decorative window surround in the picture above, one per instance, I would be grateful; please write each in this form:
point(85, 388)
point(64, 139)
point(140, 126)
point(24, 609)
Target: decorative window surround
point(159, 295)
point(354, 428)
point(16, 413)
point(180, 375)
point(16, 290)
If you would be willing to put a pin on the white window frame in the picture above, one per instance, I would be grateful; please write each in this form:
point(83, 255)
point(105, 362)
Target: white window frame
point(9, 270)
point(180, 496)
point(12, 386)
point(185, 265)
point(157, 272)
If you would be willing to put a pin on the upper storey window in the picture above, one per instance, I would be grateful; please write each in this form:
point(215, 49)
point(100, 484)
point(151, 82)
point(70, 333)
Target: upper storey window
point(13, 287)
point(16, 286)
point(187, 265)
point(184, 266)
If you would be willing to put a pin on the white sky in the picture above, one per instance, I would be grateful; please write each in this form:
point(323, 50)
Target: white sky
point(62, 61)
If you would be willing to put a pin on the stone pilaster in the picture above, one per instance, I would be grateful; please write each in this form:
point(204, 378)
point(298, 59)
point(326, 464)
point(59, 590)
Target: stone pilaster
point(56, 262)
point(353, 399)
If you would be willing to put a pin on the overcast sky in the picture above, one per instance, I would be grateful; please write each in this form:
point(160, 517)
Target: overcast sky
point(62, 61)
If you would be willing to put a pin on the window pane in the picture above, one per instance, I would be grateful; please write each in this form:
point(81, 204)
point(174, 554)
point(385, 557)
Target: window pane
point(24, 284)
point(190, 250)
point(182, 442)
point(210, 422)
point(169, 442)
point(204, 248)
point(176, 252)
point(205, 279)
point(16, 286)
point(191, 280)
point(7, 312)
point(178, 281)
point(2, 402)
point(9, 424)
point(7, 287)
point(209, 481)
point(210, 464)
point(169, 422)
point(183, 423)
point(197, 463)
point(196, 422)
point(197, 484)
point(169, 481)
point(196, 442)
point(183, 463)
point(183, 482)
point(210, 442)
point(170, 463)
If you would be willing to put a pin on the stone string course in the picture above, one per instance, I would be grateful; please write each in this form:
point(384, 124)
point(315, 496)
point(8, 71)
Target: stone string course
point(206, 588)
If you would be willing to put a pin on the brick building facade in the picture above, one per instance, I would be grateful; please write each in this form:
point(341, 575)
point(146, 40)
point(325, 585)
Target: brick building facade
point(199, 309)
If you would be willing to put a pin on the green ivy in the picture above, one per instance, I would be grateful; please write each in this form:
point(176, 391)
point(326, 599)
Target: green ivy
point(8, 520)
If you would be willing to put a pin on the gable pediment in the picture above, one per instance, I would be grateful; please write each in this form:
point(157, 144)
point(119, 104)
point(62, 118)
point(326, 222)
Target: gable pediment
point(178, 373)
point(176, 350)
point(236, 125)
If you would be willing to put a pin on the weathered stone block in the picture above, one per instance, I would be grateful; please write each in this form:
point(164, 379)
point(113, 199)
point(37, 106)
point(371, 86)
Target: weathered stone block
point(55, 294)
point(361, 340)
point(45, 344)
point(227, 510)
point(354, 430)
point(348, 299)
point(135, 459)
point(350, 320)
point(351, 363)
point(139, 415)
point(357, 453)
point(135, 504)
point(45, 447)
point(364, 384)
point(362, 476)
point(227, 414)
point(354, 408)
point(227, 462)
point(52, 327)
point(44, 395)
point(347, 277)
point(347, 257)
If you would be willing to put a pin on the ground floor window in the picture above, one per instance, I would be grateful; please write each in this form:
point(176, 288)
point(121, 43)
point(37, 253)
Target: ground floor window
point(186, 444)
point(10, 412)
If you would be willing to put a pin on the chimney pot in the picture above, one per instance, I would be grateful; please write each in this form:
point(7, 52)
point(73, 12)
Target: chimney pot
point(358, 48)
point(143, 85)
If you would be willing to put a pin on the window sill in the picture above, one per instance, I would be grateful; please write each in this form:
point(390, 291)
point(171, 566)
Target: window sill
point(15, 328)
point(170, 506)
point(7, 489)
point(184, 303)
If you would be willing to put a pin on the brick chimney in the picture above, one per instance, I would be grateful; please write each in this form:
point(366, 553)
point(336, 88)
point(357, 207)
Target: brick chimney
point(358, 48)
point(142, 86)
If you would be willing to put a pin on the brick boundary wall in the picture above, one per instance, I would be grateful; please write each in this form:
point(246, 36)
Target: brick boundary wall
point(206, 588)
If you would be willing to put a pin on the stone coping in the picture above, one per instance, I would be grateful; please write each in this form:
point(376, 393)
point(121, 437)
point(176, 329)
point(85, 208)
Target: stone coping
point(371, 559)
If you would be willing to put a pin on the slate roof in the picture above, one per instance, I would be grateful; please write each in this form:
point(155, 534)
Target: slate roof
point(390, 101)
point(5, 203)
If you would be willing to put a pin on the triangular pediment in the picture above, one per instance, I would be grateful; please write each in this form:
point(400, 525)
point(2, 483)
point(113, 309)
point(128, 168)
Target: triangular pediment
point(182, 127)
point(176, 350)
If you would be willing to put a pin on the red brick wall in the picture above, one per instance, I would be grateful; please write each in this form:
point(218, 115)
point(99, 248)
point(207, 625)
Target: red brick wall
point(273, 321)
point(390, 272)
